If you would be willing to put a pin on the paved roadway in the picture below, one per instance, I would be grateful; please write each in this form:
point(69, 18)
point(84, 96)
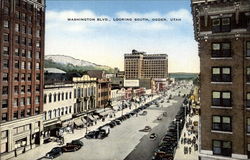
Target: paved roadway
point(125, 141)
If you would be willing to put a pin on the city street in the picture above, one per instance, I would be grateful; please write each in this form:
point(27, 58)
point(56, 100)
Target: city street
point(125, 141)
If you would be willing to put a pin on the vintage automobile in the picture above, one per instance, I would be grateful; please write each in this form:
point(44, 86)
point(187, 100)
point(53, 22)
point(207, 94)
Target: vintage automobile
point(55, 152)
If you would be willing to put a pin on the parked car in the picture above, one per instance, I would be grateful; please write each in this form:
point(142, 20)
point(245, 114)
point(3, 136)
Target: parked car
point(91, 134)
point(102, 134)
point(69, 147)
point(118, 122)
point(55, 152)
point(143, 113)
point(77, 142)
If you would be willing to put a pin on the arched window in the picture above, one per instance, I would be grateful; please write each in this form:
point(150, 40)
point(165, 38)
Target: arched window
point(62, 96)
point(50, 114)
point(59, 96)
point(70, 95)
point(66, 95)
point(50, 98)
point(54, 97)
point(70, 108)
point(54, 113)
point(62, 111)
point(45, 98)
point(45, 115)
point(66, 110)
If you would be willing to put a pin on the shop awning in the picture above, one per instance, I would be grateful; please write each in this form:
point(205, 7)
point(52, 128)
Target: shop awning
point(91, 118)
point(96, 117)
point(78, 122)
point(106, 113)
point(83, 120)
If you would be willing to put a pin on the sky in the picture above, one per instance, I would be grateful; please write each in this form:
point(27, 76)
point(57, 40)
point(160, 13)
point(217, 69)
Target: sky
point(106, 42)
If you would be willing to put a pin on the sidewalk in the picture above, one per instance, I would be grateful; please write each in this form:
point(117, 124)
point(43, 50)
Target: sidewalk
point(40, 151)
point(193, 155)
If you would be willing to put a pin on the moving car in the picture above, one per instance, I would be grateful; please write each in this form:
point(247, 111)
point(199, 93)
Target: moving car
point(146, 129)
point(91, 134)
point(153, 136)
point(55, 152)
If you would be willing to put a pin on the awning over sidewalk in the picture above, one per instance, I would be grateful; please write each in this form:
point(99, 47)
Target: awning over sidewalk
point(92, 118)
point(84, 120)
point(78, 122)
point(106, 113)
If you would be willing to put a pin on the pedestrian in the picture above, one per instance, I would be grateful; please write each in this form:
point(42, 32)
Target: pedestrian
point(190, 149)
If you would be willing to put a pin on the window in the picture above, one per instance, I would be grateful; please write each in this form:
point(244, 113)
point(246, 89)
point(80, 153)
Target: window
point(70, 95)
point(16, 52)
point(22, 102)
point(17, 14)
point(5, 77)
point(4, 117)
point(248, 74)
point(54, 97)
point(4, 103)
point(5, 63)
point(17, 28)
point(6, 37)
point(15, 115)
point(23, 29)
point(16, 90)
point(66, 97)
point(248, 49)
point(62, 111)
point(74, 93)
point(66, 110)
point(16, 77)
point(28, 101)
point(29, 55)
point(28, 89)
point(248, 125)
point(50, 98)
point(37, 55)
point(221, 25)
point(22, 114)
point(45, 98)
point(5, 50)
point(221, 99)
point(23, 17)
point(22, 89)
point(6, 24)
point(22, 65)
point(23, 41)
point(223, 148)
point(221, 123)
point(23, 53)
point(221, 74)
point(37, 88)
point(29, 30)
point(38, 44)
point(62, 96)
point(37, 110)
point(17, 64)
point(22, 77)
point(38, 33)
point(38, 76)
point(29, 18)
point(28, 112)
point(37, 100)
point(6, 11)
point(59, 96)
point(5, 90)
point(29, 77)
point(37, 65)
point(29, 65)
point(29, 42)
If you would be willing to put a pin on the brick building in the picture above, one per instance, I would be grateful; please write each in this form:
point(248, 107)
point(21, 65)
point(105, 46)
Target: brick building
point(141, 65)
point(21, 75)
point(222, 30)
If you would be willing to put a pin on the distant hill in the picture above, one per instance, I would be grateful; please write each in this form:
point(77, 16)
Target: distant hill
point(183, 75)
point(70, 64)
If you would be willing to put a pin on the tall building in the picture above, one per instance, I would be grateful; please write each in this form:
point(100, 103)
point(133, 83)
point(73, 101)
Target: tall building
point(21, 75)
point(140, 65)
point(222, 30)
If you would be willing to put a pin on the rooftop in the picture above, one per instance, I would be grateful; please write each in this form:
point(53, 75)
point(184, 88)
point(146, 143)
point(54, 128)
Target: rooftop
point(53, 70)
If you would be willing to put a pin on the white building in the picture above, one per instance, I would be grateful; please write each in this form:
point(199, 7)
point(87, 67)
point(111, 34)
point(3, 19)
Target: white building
point(58, 107)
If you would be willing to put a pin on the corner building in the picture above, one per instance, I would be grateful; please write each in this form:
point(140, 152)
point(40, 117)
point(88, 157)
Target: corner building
point(21, 75)
point(222, 30)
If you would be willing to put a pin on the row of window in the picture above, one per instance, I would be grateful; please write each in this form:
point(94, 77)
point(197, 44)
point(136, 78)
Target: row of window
point(23, 29)
point(20, 65)
point(22, 52)
point(223, 49)
point(20, 90)
point(57, 112)
point(84, 92)
point(21, 114)
point(57, 97)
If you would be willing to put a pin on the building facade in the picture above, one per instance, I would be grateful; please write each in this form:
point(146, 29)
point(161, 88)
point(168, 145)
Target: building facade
point(139, 65)
point(21, 75)
point(58, 108)
point(222, 30)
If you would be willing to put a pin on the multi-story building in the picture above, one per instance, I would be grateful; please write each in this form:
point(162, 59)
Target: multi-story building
point(141, 65)
point(103, 85)
point(84, 94)
point(222, 29)
point(58, 108)
point(21, 75)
